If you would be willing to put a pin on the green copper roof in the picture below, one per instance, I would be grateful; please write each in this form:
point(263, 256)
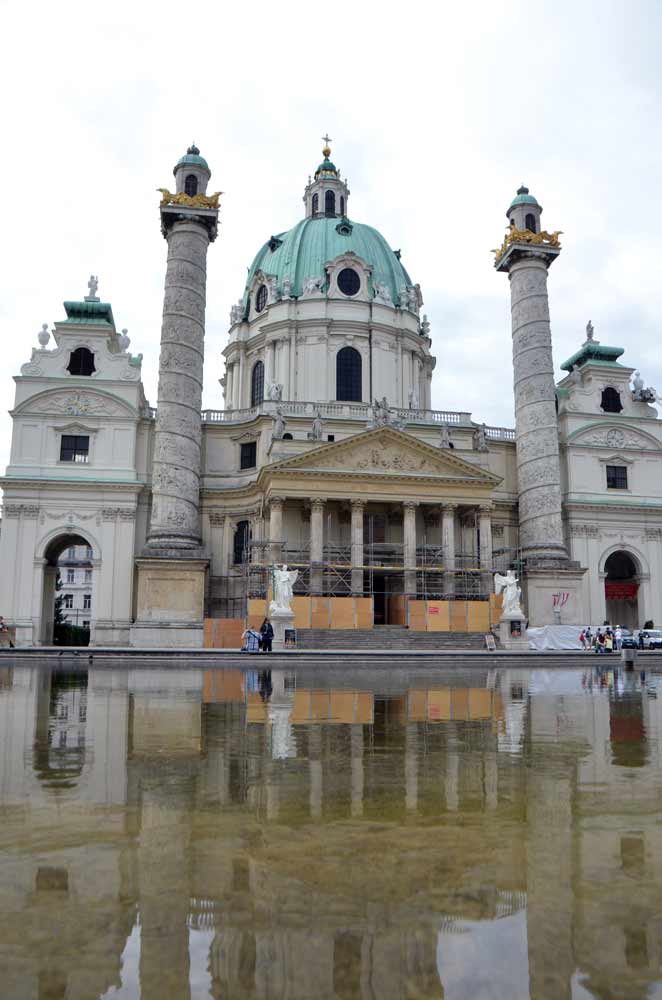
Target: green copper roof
point(303, 252)
point(192, 157)
point(591, 350)
point(523, 198)
point(327, 167)
point(89, 313)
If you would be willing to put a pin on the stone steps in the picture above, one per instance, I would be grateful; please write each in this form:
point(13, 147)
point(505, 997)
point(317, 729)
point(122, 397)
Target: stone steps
point(387, 637)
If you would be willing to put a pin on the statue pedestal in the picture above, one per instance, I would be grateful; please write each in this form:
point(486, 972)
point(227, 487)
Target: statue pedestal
point(280, 619)
point(512, 631)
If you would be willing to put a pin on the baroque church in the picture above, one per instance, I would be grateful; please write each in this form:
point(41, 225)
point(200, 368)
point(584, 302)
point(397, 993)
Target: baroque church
point(326, 455)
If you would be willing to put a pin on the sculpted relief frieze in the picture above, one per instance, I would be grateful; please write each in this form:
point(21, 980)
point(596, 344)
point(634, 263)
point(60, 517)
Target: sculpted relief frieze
point(76, 404)
point(378, 459)
point(614, 437)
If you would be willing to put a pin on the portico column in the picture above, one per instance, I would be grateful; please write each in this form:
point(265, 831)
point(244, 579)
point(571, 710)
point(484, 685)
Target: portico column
point(357, 546)
point(448, 544)
point(410, 546)
point(276, 528)
point(316, 543)
point(485, 529)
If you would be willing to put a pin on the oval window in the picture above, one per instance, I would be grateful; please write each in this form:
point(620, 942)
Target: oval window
point(349, 282)
point(261, 298)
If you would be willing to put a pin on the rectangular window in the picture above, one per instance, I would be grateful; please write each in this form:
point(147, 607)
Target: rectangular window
point(70, 576)
point(74, 448)
point(617, 477)
point(248, 457)
point(89, 552)
point(87, 601)
point(69, 601)
point(71, 552)
point(88, 576)
point(86, 624)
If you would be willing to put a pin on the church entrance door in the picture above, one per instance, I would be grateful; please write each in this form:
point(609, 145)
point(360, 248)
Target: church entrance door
point(622, 590)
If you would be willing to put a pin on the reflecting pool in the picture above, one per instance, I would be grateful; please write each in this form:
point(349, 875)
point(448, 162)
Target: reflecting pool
point(330, 834)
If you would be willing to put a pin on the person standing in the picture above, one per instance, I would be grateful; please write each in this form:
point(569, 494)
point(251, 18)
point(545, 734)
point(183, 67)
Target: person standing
point(267, 633)
point(618, 636)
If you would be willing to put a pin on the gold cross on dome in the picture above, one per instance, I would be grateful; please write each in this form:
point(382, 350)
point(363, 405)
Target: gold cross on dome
point(326, 139)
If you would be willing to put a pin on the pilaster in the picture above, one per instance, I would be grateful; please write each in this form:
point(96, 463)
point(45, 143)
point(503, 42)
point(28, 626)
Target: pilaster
point(316, 544)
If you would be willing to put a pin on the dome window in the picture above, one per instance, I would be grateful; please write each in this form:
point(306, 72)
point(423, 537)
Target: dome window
point(349, 281)
point(261, 298)
point(191, 185)
point(316, 204)
point(329, 203)
point(257, 384)
point(344, 228)
point(611, 400)
point(348, 375)
point(81, 362)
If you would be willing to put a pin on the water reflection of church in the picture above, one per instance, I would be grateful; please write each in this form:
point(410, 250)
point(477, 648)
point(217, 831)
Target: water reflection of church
point(275, 836)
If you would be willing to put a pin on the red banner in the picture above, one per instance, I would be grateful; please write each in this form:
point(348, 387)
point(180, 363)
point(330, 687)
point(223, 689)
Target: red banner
point(620, 591)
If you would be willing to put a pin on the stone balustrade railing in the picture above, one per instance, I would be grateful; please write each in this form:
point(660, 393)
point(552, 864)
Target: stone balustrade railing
point(346, 411)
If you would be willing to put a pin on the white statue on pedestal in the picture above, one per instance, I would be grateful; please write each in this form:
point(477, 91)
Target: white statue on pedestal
point(512, 594)
point(284, 581)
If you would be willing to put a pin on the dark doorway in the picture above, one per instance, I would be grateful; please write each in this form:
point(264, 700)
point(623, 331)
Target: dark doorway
point(622, 590)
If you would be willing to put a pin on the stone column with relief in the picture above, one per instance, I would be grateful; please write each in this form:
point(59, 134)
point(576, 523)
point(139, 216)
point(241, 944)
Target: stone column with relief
point(276, 529)
point(448, 547)
point(485, 533)
point(173, 566)
point(316, 544)
point(526, 256)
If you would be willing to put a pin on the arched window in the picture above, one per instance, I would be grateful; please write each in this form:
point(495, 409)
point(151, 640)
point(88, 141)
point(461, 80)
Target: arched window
point(257, 383)
point(316, 204)
point(530, 222)
point(242, 537)
point(348, 375)
point(342, 204)
point(81, 362)
point(287, 437)
point(329, 203)
point(191, 185)
point(611, 400)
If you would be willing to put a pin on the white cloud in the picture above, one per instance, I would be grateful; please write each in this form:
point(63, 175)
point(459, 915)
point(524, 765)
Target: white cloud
point(437, 114)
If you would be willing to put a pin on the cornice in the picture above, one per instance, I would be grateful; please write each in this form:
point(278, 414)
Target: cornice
point(98, 485)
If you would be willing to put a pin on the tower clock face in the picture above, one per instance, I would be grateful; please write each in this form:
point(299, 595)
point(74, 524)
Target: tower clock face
point(348, 281)
point(261, 298)
point(615, 439)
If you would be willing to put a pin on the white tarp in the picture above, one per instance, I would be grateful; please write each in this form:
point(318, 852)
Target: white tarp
point(555, 637)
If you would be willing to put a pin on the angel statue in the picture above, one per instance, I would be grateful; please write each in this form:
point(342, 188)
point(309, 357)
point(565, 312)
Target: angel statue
point(284, 581)
point(511, 593)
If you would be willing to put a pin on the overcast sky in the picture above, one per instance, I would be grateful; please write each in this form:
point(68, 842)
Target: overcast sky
point(437, 114)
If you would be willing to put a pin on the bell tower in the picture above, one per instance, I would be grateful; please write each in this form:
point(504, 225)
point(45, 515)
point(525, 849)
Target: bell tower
point(173, 565)
point(326, 195)
point(526, 255)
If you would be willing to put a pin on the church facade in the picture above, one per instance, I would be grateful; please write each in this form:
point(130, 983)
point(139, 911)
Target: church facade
point(326, 454)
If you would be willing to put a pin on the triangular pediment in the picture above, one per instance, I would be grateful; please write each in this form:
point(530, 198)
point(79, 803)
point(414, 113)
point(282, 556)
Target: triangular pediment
point(386, 451)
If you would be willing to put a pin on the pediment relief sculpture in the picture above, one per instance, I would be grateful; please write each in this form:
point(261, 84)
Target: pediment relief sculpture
point(615, 437)
point(76, 403)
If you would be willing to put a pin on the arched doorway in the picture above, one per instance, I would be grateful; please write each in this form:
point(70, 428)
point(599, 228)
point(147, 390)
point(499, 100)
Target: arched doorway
point(622, 590)
point(67, 591)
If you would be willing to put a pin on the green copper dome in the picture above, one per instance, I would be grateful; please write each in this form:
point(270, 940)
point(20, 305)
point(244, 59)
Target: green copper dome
point(326, 168)
point(523, 198)
point(192, 158)
point(304, 251)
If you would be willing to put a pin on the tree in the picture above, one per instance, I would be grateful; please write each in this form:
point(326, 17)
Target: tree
point(58, 610)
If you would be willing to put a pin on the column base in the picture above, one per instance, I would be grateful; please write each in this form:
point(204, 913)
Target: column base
point(539, 584)
point(170, 602)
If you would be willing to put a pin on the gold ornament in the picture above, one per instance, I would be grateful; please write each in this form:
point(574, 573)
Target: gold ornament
point(190, 201)
point(515, 235)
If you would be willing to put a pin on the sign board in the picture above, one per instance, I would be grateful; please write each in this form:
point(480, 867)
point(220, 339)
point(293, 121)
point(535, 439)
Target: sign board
point(490, 643)
point(290, 637)
point(433, 611)
point(620, 591)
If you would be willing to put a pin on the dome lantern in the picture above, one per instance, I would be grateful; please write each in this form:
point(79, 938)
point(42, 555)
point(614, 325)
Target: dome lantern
point(524, 211)
point(326, 195)
point(192, 172)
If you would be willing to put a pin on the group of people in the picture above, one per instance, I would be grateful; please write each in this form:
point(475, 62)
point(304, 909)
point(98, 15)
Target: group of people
point(258, 642)
point(606, 641)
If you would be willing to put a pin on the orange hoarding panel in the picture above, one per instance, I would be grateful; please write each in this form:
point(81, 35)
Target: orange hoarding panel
point(478, 617)
point(439, 705)
point(418, 616)
point(458, 616)
point(320, 612)
point(342, 612)
point(438, 616)
point(300, 605)
point(363, 612)
point(223, 633)
point(397, 610)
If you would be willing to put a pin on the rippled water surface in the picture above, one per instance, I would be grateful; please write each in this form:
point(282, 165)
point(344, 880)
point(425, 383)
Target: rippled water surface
point(330, 835)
